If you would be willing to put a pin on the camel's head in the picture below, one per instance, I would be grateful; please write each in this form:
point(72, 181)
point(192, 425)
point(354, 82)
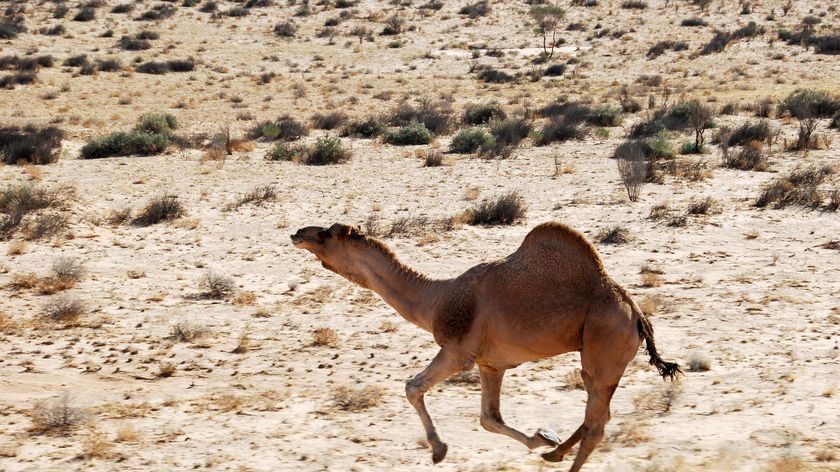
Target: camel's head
point(333, 246)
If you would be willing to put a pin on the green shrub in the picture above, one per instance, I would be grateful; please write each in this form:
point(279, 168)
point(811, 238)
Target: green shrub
point(661, 147)
point(281, 152)
point(481, 114)
point(606, 115)
point(471, 140)
point(369, 127)
point(806, 103)
point(835, 120)
point(157, 123)
point(125, 144)
point(326, 151)
point(285, 128)
point(559, 129)
point(411, 134)
point(510, 131)
point(692, 148)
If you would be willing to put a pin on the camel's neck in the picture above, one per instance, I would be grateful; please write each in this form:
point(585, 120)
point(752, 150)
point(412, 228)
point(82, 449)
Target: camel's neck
point(412, 294)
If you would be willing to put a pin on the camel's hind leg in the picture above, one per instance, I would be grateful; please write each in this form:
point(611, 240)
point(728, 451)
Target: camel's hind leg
point(443, 365)
point(608, 347)
point(491, 416)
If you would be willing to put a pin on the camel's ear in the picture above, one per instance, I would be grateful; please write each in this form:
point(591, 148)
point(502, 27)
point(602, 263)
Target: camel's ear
point(356, 233)
point(339, 230)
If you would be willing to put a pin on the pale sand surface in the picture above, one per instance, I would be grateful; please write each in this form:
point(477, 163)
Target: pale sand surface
point(750, 289)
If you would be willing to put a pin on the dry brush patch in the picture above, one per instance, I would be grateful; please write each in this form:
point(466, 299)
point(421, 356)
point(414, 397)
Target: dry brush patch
point(356, 399)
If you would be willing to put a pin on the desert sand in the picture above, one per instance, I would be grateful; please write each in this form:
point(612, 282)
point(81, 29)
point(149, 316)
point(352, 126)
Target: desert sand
point(164, 377)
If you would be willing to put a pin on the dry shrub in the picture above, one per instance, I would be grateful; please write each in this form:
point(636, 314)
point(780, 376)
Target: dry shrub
point(633, 168)
point(703, 206)
point(324, 337)
point(119, 217)
point(128, 434)
point(243, 344)
point(256, 196)
point(659, 211)
point(45, 225)
point(161, 208)
point(614, 235)
point(68, 269)
point(217, 286)
point(166, 369)
point(25, 281)
point(698, 362)
point(750, 157)
point(96, 446)
point(503, 210)
point(465, 378)
point(651, 280)
point(574, 379)
point(64, 309)
point(825, 455)
point(786, 464)
point(649, 306)
point(7, 324)
point(630, 433)
point(16, 248)
point(799, 187)
point(659, 400)
point(187, 332)
point(56, 417)
point(358, 399)
point(244, 298)
point(389, 326)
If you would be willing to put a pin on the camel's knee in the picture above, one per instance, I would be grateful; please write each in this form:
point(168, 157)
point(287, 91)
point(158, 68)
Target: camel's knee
point(490, 423)
point(414, 391)
point(592, 434)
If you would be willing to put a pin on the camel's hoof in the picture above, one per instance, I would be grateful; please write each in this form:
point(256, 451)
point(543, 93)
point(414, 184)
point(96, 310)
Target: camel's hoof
point(439, 452)
point(551, 456)
point(549, 436)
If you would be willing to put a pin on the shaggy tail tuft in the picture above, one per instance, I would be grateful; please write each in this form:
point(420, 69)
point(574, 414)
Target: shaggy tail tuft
point(668, 370)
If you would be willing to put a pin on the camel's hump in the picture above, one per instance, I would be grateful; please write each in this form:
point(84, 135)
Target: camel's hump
point(560, 234)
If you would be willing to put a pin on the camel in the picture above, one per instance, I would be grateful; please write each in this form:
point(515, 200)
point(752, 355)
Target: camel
point(550, 297)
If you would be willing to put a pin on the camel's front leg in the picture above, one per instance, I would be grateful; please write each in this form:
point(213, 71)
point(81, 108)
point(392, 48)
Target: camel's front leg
point(491, 416)
point(443, 365)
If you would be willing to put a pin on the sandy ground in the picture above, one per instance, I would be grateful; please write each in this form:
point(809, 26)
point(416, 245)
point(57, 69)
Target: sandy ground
point(750, 290)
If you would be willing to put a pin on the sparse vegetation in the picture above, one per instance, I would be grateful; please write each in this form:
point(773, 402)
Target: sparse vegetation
point(484, 113)
point(369, 127)
point(614, 235)
point(471, 140)
point(357, 399)
point(506, 209)
point(30, 144)
point(799, 187)
point(152, 134)
point(57, 417)
point(633, 168)
point(325, 151)
point(324, 337)
point(412, 134)
point(284, 128)
point(217, 286)
point(165, 67)
point(698, 362)
point(64, 309)
point(159, 209)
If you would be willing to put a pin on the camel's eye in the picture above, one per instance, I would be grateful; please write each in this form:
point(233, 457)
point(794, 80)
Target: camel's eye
point(323, 235)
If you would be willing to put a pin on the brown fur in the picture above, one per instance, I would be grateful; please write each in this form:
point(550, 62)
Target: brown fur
point(454, 318)
point(551, 296)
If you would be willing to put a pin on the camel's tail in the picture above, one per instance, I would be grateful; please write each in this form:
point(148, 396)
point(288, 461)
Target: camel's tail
point(668, 370)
